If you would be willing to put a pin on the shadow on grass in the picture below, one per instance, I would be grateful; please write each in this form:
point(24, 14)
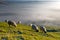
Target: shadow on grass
point(2, 26)
point(18, 37)
point(49, 35)
point(4, 38)
point(52, 30)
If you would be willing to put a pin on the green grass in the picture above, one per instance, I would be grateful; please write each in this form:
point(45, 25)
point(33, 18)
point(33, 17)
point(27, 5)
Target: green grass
point(11, 33)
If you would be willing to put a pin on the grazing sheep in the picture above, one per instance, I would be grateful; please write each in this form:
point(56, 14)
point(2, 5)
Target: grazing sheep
point(35, 27)
point(43, 29)
point(13, 23)
point(30, 24)
point(19, 22)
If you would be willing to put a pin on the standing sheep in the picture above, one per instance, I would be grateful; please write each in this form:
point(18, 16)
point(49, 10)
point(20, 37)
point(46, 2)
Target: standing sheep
point(43, 29)
point(35, 27)
point(13, 23)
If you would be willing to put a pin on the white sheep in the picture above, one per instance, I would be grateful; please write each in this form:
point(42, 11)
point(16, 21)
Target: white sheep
point(35, 27)
point(43, 29)
point(13, 23)
point(19, 22)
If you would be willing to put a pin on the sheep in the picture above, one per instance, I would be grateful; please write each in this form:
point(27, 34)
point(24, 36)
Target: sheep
point(30, 24)
point(43, 29)
point(35, 27)
point(13, 23)
point(19, 22)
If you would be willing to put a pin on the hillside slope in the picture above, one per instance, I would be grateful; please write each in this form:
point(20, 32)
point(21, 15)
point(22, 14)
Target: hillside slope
point(25, 32)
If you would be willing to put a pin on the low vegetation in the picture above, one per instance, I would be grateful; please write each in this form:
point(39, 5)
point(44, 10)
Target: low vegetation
point(25, 32)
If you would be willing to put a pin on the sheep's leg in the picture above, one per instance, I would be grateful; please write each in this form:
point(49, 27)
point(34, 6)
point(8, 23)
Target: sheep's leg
point(9, 25)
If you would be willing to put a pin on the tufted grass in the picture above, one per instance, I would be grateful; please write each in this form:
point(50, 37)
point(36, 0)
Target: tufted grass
point(11, 33)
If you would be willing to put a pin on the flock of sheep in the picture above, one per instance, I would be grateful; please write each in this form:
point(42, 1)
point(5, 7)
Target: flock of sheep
point(34, 27)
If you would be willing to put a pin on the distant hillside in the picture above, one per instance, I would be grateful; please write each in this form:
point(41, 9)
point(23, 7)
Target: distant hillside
point(25, 32)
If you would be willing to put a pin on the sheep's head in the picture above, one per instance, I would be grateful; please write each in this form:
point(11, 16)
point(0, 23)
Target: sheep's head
point(6, 20)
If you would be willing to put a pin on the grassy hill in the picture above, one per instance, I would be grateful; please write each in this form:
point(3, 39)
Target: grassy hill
point(25, 32)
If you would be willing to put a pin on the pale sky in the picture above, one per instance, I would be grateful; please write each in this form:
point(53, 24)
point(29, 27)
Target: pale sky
point(29, 0)
point(44, 11)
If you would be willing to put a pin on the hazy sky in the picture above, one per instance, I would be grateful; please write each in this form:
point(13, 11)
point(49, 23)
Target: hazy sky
point(29, 0)
point(32, 11)
point(39, 11)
